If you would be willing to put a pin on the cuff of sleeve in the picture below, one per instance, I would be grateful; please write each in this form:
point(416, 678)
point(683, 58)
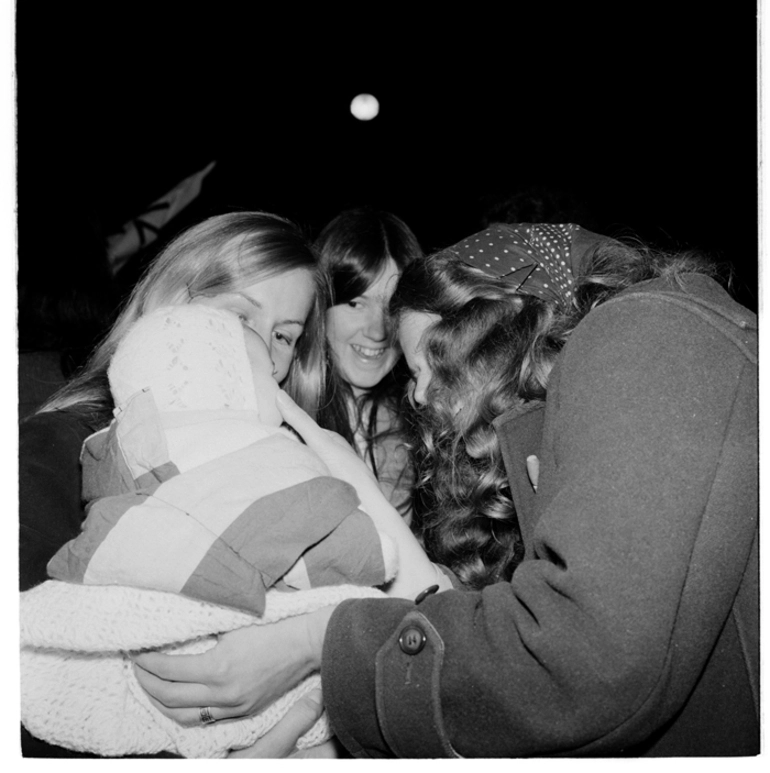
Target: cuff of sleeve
point(356, 631)
point(408, 683)
point(381, 670)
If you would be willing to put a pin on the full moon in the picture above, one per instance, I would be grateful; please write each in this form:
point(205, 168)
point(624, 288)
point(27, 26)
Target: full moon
point(365, 107)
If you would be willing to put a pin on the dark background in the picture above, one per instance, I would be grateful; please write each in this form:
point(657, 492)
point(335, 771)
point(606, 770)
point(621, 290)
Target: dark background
point(643, 116)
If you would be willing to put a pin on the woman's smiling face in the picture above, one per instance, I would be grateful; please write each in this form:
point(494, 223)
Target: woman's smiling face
point(358, 333)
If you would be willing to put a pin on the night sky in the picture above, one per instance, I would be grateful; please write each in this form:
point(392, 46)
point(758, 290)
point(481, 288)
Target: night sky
point(642, 118)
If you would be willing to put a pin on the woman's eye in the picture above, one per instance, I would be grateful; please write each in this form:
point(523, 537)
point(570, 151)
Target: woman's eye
point(284, 338)
point(355, 304)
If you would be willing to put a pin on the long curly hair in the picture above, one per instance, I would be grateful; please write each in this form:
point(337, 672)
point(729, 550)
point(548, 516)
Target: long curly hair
point(492, 350)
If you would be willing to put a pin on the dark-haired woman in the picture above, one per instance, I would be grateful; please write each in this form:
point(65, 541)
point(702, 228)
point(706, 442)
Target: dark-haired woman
point(364, 251)
point(630, 626)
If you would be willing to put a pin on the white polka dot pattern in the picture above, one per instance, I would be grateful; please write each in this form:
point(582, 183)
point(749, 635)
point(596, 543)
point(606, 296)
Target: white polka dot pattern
point(535, 257)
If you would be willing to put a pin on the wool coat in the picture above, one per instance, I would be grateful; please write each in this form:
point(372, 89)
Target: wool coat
point(631, 626)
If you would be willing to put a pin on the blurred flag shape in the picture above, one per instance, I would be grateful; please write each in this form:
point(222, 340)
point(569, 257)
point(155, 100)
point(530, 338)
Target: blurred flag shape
point(144, 228)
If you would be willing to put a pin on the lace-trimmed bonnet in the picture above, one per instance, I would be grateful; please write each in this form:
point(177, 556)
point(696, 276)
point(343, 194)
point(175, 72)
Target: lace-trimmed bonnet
point(192, 357)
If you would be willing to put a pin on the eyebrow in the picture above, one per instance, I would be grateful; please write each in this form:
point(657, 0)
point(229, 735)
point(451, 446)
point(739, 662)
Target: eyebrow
point(259, 306)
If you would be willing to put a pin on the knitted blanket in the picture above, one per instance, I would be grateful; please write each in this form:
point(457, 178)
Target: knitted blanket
point(78, 688)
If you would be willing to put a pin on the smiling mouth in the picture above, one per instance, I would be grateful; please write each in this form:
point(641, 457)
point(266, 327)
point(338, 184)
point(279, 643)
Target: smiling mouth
point(369, 354)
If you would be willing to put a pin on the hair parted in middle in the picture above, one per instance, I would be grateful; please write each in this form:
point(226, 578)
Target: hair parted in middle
point(354, 249)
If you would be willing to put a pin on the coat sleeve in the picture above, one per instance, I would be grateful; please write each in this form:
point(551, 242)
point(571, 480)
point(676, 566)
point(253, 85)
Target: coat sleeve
point(647, 511)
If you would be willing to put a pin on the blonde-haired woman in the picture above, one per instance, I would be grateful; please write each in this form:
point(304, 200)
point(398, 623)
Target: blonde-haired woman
point(256, 265)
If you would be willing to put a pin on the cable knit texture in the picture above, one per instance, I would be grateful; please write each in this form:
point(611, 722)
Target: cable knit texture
point(78, 688)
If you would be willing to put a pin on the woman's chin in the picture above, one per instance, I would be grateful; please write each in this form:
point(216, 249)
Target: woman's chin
point(365, 374)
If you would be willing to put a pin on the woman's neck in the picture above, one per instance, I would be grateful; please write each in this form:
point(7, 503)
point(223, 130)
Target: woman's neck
point(358, 407)
point(358, 391)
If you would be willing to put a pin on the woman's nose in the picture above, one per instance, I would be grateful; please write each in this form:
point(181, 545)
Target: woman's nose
point(273, 366)
point(376, 325)
point(418, 394)
point(267, 339)
point(271, 355)
point(265, 351)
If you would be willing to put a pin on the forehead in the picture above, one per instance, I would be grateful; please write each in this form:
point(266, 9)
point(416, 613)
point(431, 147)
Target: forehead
point(411, 328)
point(287, 296)
point(385, 282)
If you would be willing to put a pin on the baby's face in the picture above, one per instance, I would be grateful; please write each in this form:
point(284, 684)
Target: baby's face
point(265, 385)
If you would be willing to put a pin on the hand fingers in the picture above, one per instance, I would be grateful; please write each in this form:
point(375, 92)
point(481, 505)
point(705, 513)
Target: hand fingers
point(307, 427)
point(297, 418)
point(290, 411)
point(172, 694)
point(281, 740)
point(182, 702)
point(337, 438)
point(185, 717)
point(176, 668)
point(325, 751)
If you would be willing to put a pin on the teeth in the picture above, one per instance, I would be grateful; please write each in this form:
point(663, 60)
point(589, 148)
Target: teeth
point(368, 352)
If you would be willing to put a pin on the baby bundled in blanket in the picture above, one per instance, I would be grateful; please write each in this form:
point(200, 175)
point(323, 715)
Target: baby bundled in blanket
point(196, 487)
point(197, 496)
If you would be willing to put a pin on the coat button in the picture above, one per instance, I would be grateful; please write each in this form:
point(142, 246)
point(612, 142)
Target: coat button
point(412, 640)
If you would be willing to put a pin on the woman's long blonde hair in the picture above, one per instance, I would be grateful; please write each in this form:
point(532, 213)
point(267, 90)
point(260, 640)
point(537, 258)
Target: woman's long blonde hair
point(222, 254)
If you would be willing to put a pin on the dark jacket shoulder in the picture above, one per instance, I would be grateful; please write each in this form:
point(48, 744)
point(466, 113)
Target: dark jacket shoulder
point(50, 509)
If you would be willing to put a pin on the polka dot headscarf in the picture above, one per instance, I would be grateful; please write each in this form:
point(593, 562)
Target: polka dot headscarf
point(540, 259)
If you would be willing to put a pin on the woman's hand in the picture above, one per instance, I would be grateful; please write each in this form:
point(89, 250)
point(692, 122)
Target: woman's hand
point(343, 462)
point(243, 674)
point(281, 740)
point(415, 572)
